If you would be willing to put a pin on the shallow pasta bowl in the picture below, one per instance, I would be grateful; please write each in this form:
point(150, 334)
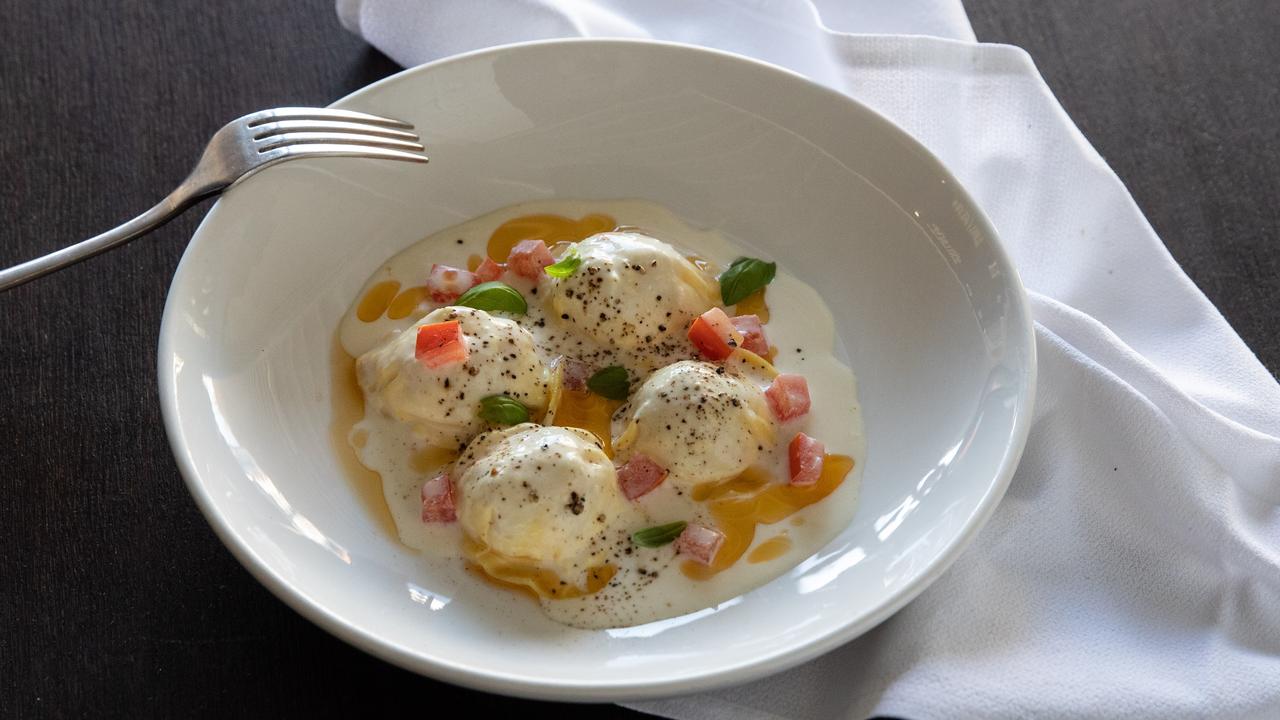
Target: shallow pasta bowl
point(927, 305)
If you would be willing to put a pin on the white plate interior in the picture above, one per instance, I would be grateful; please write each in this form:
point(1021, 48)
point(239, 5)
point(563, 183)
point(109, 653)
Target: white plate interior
point(926, 303)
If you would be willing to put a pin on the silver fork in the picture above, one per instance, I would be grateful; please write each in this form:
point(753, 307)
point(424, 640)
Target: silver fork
point(238, 150)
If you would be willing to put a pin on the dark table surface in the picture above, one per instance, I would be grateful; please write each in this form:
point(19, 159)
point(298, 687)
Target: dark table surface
point(115, 596)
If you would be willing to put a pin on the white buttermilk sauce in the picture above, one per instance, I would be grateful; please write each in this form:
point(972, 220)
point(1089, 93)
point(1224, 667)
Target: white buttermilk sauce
point(517, 489)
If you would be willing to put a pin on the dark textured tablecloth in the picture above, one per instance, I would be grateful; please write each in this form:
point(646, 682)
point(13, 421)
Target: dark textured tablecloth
point(116, 598)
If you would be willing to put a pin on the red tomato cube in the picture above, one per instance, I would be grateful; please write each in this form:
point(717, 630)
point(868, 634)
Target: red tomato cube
point(489, 271)
point(806, 455)
point(700, 543)
point(528, 258)
point(441, 344)
point(437, 500)
point(788, 396)
point(574, 373)
point(752, 330)
point(640, 475)
point(714, 335)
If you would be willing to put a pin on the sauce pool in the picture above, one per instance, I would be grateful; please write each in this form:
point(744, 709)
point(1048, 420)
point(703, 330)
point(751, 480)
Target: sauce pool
point(771, 549)
point(347, 405)
point(548, 228)
point(375, 302)
point(740, 504)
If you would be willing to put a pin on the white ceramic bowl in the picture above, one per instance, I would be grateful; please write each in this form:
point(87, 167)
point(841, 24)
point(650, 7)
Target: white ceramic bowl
point(925, 299)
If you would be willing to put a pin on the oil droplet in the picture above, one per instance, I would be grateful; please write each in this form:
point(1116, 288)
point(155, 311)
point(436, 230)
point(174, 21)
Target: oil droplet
point(551, 229)
point(375, 302)
point(750, 480)
point(473, 262)
point(429, 460)
point(406, 303)
point(753, 304)
point(581, 409)
point(771, 549)
point(588, 411)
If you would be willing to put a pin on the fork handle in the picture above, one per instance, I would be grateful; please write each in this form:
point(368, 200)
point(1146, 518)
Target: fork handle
point(163, 212)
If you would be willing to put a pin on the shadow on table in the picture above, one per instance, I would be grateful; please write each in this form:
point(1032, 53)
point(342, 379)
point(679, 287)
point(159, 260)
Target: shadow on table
point(369, 67)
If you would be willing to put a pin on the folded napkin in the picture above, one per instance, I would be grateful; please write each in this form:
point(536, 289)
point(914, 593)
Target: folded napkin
point(1133, 568)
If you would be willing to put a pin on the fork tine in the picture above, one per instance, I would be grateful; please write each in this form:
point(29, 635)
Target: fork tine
point(332, 138)
point(305, 113)
point(280, 127)
point(362, 151)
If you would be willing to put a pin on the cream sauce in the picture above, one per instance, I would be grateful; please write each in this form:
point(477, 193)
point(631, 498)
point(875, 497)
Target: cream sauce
point(648, 584)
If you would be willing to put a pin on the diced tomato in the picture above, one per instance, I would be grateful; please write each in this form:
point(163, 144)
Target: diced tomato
point(806, 456)
point(446, 283)
point(575, 373)
point(752, 330)
point(437, 500)
point(640, 475)
point(528, 258)
point(788, 396)
point(714, 335)
point(489, 271)
point(441, 344)
point(700, 543)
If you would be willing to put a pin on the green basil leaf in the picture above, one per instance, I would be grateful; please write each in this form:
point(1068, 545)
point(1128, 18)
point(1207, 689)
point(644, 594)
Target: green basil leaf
point(567, 266)
point(743, 277)
point(611, 382)
point(494, 297)
point(503, 410)
point(658, 535)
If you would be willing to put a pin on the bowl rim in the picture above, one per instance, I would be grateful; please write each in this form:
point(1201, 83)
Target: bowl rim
point(586, 690)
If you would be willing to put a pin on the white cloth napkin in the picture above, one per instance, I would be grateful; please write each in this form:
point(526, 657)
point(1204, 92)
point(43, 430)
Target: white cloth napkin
point(1133, 568)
